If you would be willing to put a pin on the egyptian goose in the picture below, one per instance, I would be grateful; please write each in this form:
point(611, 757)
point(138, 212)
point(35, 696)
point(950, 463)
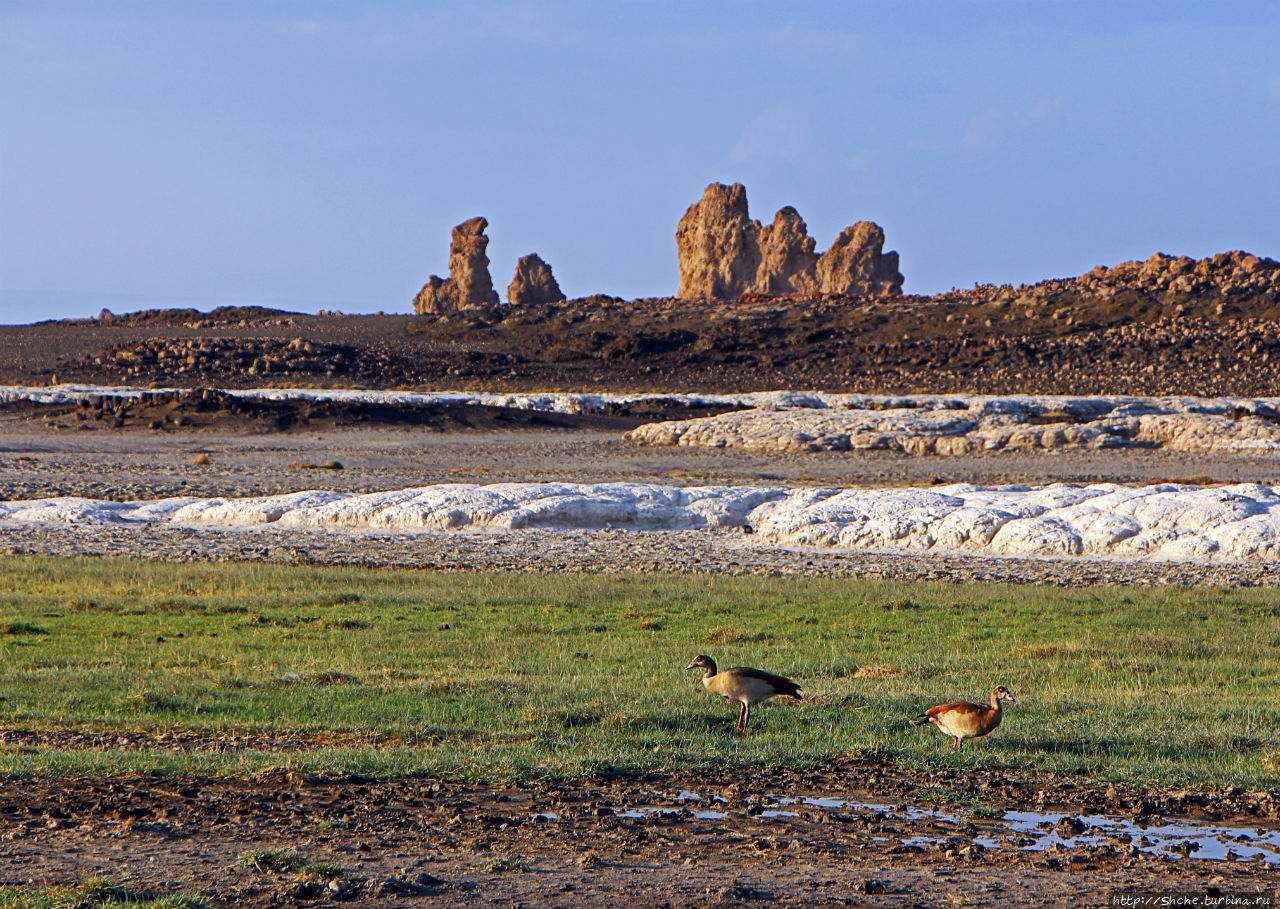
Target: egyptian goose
point(746, 686)
point(963, 719)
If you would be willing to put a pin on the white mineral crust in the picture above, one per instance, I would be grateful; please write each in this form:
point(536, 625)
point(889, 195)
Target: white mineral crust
point(1160, 522)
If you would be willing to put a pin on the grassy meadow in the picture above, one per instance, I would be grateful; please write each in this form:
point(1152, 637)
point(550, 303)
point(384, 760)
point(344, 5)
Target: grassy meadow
point(499, 675)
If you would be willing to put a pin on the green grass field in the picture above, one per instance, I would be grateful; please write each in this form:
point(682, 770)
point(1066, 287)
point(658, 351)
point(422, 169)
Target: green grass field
point(510, 675)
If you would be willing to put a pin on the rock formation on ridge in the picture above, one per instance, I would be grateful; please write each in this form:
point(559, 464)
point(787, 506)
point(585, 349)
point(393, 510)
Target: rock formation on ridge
point(724, 254)
point(533, 283)
point(787, 259)
point(468, 283)
point(855, 265)
point(718, 244)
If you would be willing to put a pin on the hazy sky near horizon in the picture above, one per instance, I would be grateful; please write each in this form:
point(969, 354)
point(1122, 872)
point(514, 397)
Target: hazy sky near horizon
point(314, 155)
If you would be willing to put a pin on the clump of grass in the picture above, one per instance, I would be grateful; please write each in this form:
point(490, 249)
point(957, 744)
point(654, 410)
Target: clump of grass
point(339, 598)
point(727, 634)
point(96, 893)
point(344, 624)
point(941, 795)
point(320, 679)
point(987, 812)
point(234, 684)
point(21, 628)
point(876, 671)
point(80, 605)
point(155, 702)
point(285, 861)
point(507, 863)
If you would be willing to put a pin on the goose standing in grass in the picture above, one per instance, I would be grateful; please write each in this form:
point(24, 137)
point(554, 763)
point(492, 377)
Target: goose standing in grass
point(744, 685)
point(964, 719)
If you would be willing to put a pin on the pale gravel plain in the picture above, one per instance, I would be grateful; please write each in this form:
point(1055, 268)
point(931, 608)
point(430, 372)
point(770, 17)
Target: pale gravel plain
point(144, 465)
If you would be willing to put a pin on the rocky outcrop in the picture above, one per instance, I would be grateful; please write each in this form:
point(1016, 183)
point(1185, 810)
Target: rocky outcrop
point(1227, 274)
point(468, 283)
point(1226, 277)
point(718, 245)
point(724, 254)
point(533, 283)
point(856, 265)
point(787, 259)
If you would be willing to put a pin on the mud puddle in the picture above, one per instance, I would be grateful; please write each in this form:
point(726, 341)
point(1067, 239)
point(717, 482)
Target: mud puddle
point(1026, 831)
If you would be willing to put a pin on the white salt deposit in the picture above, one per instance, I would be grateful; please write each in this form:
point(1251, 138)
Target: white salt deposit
point(1160, 522)
point(989, 424)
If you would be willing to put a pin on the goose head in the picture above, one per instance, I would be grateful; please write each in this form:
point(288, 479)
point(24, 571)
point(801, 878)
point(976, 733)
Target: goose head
point(702, 661)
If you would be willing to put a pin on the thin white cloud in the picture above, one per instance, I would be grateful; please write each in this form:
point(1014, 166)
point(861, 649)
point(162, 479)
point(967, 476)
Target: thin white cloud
point(981, 132)
point(1046, 108)
point(777, 133)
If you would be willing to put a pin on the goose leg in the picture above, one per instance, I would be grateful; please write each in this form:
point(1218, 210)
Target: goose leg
point(742, 718)
point(746, 716)
point(959, 744)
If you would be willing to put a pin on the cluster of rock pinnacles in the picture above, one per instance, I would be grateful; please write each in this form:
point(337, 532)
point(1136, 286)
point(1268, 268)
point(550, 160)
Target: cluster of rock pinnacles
point(723, 255)
point(469, 284)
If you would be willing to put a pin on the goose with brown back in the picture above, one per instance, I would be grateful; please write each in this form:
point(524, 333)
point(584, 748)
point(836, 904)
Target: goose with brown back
point(966, 720)
point(744, 685)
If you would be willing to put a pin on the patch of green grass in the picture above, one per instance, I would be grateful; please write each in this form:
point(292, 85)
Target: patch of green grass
point(507, 863)
point(98, 893)
point(21, 628)
point(509, 675)
point(283, 861)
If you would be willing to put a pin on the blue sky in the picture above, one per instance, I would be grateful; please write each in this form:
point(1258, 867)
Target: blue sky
point(315, 155)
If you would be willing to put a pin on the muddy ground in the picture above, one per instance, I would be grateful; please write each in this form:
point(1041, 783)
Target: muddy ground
point(716, 838)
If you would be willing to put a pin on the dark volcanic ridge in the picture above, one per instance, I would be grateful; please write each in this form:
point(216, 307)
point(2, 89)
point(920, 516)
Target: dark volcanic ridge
point(1170, 325)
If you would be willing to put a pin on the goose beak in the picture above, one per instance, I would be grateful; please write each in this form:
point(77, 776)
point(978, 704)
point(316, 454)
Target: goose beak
point(1011, 699)
point(692, 666)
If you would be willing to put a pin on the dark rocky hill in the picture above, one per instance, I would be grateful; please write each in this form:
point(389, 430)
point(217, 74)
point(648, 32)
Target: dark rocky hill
point(1169, 325)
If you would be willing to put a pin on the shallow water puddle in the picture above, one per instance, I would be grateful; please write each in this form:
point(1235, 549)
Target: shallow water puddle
point(1041, 830)
point(1163, 837)
point(1020, 830)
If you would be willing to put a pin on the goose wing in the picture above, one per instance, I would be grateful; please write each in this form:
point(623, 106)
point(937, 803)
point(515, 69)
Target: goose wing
point(780, 684)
